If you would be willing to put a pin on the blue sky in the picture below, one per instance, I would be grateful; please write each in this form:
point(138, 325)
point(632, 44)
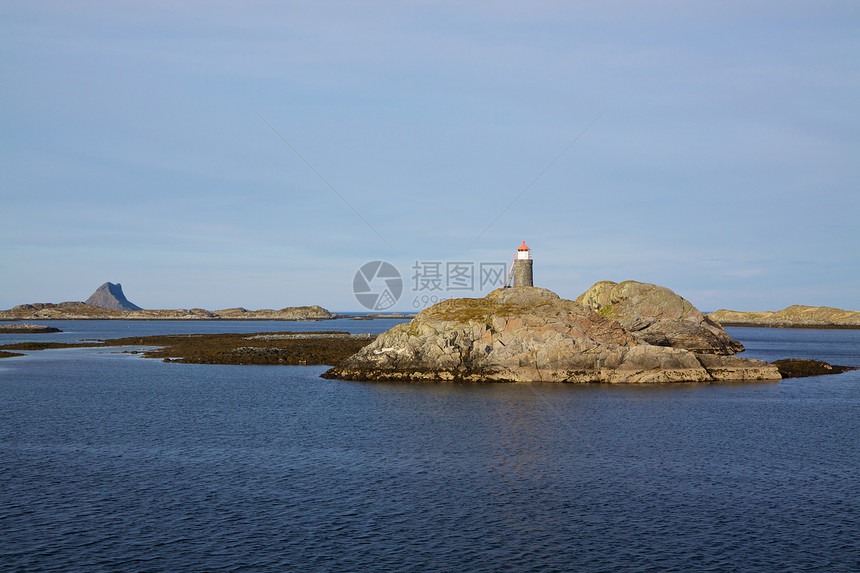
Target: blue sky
point(717, 148)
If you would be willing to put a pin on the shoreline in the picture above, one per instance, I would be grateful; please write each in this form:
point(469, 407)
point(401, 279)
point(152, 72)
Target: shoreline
point(321, 348)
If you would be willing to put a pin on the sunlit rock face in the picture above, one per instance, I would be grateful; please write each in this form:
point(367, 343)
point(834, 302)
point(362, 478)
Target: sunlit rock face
point(658, 316)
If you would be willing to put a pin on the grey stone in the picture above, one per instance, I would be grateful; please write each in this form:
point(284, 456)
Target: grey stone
point(110, 295)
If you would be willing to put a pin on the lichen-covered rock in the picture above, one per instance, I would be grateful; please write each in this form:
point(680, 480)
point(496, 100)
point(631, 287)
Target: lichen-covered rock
point(658, 316)
point(528, 334)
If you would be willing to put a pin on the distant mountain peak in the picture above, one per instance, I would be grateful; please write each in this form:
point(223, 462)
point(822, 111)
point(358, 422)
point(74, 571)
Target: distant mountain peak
point(110, 295)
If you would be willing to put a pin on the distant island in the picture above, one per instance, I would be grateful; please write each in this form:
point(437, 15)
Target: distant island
point(84, 311)
point(109, 303)
point(796, 316)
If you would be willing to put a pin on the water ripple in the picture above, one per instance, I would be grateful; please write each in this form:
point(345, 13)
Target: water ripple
point(162, 467)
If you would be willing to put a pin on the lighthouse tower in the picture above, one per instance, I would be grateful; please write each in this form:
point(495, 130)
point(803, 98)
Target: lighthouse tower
point(522, 267)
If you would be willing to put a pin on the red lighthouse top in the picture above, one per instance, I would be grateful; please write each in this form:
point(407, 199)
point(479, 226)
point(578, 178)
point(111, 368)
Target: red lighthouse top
point(523, 247)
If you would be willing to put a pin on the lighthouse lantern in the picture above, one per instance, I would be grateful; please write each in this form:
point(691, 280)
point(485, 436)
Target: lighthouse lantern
point(523, 252)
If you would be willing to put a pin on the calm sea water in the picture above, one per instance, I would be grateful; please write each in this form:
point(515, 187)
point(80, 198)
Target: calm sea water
point(112, 462)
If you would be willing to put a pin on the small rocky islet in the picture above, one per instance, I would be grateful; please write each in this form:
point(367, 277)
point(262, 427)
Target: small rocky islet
point(522, 334)
point(25, 328)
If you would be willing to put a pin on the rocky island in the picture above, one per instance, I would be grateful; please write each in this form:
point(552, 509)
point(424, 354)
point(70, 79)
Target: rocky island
point(531, 334)
point(796, 316)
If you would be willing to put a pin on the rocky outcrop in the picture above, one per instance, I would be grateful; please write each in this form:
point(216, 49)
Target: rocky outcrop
point(530, 334)
point(802, 367)
point(83, 311)
point(796, 316)
point(110, 295)
point(658, 316)
point(24, 328)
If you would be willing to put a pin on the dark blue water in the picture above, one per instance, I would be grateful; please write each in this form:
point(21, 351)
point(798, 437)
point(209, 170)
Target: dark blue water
point(835, 346)
point(112, 462)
